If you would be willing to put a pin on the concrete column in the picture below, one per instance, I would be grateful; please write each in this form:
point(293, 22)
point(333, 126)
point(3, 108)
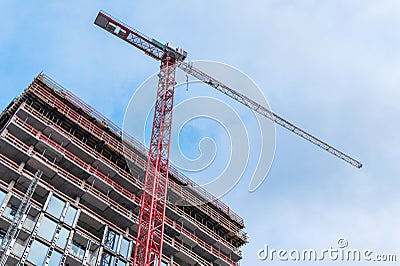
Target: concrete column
point(104, 234)
point(64, 212)
point(78, 213)
point(11, 184)
point(21, 166)
point(119, 243)
point(48, 200)
point(86, 255)
point(30, 150)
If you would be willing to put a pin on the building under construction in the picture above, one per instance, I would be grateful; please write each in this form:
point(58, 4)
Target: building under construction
point(68, 196)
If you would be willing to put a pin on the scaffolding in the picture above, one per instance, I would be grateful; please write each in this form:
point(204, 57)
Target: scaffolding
point(16, 225)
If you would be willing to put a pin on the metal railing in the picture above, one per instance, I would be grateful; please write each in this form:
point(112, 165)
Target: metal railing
point(87, 125)
point(89, 188)
point(117, 144)
point(34, 113)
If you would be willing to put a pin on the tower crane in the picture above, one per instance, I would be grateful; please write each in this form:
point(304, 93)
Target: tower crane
point(149, 239)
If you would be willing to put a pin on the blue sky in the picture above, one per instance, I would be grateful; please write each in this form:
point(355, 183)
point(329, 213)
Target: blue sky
point(331, 67)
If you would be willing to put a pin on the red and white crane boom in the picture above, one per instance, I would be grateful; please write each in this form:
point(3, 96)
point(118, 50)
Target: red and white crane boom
point(148, 248)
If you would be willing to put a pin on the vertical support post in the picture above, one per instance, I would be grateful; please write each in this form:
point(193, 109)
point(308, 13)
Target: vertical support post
point(149, 239)
point(56, 235)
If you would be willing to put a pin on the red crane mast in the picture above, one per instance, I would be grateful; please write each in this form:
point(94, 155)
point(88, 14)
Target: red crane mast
point(149, 239)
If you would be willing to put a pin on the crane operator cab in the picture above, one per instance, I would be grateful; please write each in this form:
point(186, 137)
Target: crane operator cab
point(177, 52)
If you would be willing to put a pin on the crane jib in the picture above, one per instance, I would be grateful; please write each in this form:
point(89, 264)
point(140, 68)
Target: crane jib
point(188, 68)
point(156, 49)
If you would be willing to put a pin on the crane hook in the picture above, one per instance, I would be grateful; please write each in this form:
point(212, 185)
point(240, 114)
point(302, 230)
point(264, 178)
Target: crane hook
point(187, 82)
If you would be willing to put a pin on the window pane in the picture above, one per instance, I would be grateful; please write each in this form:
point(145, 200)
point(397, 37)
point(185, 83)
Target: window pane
point(18, 248)
point(77, 250)
point(107, 259)
point(2, 234)
point(29, 223)
point(47, 228)
point(124, 248)
point(2, 196)
point(92, 258)
point(55, 206)
point(70, 215)
point(121, 263)
point(63, 237)
point(112, 240)
point(55, 258)
point(37, 253)
point(10, 211)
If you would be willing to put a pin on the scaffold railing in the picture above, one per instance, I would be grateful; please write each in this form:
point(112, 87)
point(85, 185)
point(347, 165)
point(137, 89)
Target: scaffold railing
point(131, 196)
point(115, 204)
point(34, 113)
point(90, 127)
point(139, 146)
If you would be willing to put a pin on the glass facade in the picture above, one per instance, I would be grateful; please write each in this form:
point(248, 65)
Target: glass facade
point(70, 215)
point(63, 238)
point(18, 248)
point(2, 196)
point(52, 235)
point(37, 253)
point(124, 249)
point(121, 263)
point(77, 250)
point(112, 240)
point(117, 249)
point(2, 234)
point(10, 211)
point(107, 259)
point(47, 229)
point(55, 227)
point(29, 223)
point(92, 257)
point(55, 206)
point(55, 258)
